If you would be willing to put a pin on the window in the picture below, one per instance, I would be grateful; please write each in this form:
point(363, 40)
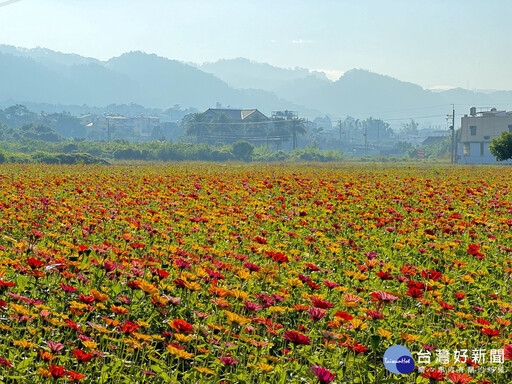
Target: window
point(481, 148)
point(472, 129)
point(466, 149)
point(510, 128)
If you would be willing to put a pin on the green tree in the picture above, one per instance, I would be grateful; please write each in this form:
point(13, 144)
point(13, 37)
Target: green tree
point(410, 128)
point(242, 150)
point(501, 147)
point(39, 132)
point(17, 115)
point(196, 125)
point(221, 127)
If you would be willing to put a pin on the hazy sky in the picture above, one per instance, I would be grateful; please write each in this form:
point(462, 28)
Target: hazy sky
point(465, 43)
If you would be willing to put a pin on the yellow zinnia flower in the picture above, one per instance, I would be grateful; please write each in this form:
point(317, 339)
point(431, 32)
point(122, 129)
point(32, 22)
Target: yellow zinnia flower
point(384, 333)
point(234, 319)
point(179, 352)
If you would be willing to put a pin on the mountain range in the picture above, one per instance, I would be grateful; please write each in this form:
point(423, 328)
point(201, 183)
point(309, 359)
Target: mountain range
point(44, 76)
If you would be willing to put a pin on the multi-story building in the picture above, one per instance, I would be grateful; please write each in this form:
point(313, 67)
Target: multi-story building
point(111, 127)
point(477, 131)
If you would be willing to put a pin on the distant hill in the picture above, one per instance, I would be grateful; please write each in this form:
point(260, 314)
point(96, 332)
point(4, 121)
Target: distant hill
point(358, 92)
point(244, 73)
point(43, 76)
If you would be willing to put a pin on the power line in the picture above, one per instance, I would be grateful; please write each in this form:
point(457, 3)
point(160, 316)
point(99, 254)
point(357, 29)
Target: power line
point(3, 4)
point(415, 117)
point(403, 110)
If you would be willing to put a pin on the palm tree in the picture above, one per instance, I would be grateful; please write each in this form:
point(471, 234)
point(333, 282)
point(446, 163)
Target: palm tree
point(297, 128)
point(222, 126)
point(196, 125)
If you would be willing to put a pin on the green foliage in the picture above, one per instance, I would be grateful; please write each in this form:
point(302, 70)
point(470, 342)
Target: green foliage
point(39, 132)
point(242, 150)
point(410, 128)
point(313, 154)
point(501, 147)
point(63, 158)
point(17, 115)
point(128, 154)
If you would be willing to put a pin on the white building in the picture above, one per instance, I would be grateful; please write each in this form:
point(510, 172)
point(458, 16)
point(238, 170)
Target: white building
point(477, 131)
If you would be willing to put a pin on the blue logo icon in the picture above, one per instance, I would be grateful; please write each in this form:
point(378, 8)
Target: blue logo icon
point(398, 359)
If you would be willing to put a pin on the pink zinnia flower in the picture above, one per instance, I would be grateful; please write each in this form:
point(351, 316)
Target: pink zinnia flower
point(508, 352)
point(384, 296)
point(55, 346)
point(324, 375)
point(317, 313)
point(68, 288)
point(250, 306)
point(228, 361)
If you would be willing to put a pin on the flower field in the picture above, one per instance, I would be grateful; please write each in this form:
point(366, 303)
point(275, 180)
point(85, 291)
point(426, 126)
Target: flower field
point(196, 273)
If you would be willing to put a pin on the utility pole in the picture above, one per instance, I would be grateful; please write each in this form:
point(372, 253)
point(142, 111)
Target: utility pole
point(452, 128)
point(366, 139)
point(339, 126)
point(453, 134)
point(294, 135)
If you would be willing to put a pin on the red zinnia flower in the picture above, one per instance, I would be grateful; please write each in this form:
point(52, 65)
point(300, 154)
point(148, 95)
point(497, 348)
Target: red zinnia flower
point(86, 299)
point(330, 284)
point(375, 314)
point(129, 327)
point(68, 288)
point(459, 295)
point(490, 332)
point(344, 315)
point(384, 275)
point(6, 284)
point(57, 371)
point(5, 362)
point(182, 326)
point(75, 376)
point(321, 304)
point(133, 284)
point(474, 250)
point(356, 347)
point(296, 337)
point(459, 378)
point(430, 274)
point(280, 258)
point(34, 263)
point(446, 306)
point(433, 375)
point(252, 267)
point(313, 285)
point(414, 292)
point(71, 324)
point(82, 356)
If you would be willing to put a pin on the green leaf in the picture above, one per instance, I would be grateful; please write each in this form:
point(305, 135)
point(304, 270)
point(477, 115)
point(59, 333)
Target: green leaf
point(156, 368)
point(24, 364)
point(375, 341)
